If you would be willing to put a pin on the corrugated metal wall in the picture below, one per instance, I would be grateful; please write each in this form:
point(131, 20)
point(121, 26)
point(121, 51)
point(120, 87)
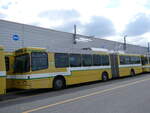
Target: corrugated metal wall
point(53, 40)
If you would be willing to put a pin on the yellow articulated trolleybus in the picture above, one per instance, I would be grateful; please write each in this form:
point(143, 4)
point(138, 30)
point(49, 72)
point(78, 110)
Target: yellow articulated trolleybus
point(36, 68)
point(2, 73)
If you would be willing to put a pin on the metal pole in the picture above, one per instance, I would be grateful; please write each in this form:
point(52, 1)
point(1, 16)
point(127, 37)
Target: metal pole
point(148, 49)
point(23, 36)
point(124, 47)
point(74, 35)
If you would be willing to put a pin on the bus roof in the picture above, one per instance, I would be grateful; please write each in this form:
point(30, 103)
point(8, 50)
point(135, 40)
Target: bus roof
point(30, 49)
point(126, 54)
point(68, 50)
point(73, 51)
point(8, 53)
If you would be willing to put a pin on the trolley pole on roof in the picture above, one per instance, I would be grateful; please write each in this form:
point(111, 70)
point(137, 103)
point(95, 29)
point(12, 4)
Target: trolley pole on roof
point(124, 45)
point(74, 35)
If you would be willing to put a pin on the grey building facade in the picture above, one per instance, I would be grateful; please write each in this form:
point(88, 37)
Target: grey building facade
point(32, 36)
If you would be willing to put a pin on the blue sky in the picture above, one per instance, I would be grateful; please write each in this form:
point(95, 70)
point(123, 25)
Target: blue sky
point(108, 19)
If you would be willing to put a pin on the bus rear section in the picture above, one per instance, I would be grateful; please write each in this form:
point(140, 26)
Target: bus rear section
point(35, 68)
point(125, 65)
point(2, 72)
point(145, 63)
point(129, 64)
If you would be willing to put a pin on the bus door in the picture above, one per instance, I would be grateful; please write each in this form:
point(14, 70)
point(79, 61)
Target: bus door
point(114, 65)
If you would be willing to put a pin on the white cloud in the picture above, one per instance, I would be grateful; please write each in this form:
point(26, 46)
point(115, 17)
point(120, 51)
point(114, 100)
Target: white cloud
point(139, 25)
point(120, 12)
point(99, 27)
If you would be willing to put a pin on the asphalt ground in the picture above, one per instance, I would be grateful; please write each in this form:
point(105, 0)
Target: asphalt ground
point(125, 95)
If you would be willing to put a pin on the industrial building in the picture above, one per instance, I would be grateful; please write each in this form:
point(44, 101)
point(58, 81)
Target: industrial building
point(15, 35)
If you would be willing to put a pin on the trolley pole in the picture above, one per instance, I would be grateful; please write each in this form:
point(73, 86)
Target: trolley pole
point(124, 45)
point(74, 35)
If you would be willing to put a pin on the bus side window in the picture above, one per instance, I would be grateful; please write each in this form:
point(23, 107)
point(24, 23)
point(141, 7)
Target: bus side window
point(61, 60)
point(97, 60)
point(75, 60)
point(39, 60)
point(122, 60)
point(86, 60)
point(143, 60)
point(105, 60)
point(132, 60)
point(127, 60)
point(136, 60)
point(7, 63)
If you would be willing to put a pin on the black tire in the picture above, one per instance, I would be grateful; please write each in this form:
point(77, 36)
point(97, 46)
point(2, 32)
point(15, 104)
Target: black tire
point(104, 77)
point(58, 83)
point(132, 72)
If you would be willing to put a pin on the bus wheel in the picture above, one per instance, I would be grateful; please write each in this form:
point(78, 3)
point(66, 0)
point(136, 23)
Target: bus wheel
point(104, 76)
point(59, 83)
point(132, 72)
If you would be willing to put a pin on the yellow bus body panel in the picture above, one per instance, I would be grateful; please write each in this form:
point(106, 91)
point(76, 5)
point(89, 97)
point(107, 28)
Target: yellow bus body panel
point(86, 76)
point(2, 70)
point(2, 85)
point(33, 83)
point(146, 68)
point(126, 71)
point(76, 77)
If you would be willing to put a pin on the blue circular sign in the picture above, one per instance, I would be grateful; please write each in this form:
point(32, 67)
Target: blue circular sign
point(15, 37)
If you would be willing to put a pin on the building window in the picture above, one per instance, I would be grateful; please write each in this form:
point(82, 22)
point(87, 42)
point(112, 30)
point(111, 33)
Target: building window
point(61, 60)
point(39, 60)
point(86, 60)
point(75, 60)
